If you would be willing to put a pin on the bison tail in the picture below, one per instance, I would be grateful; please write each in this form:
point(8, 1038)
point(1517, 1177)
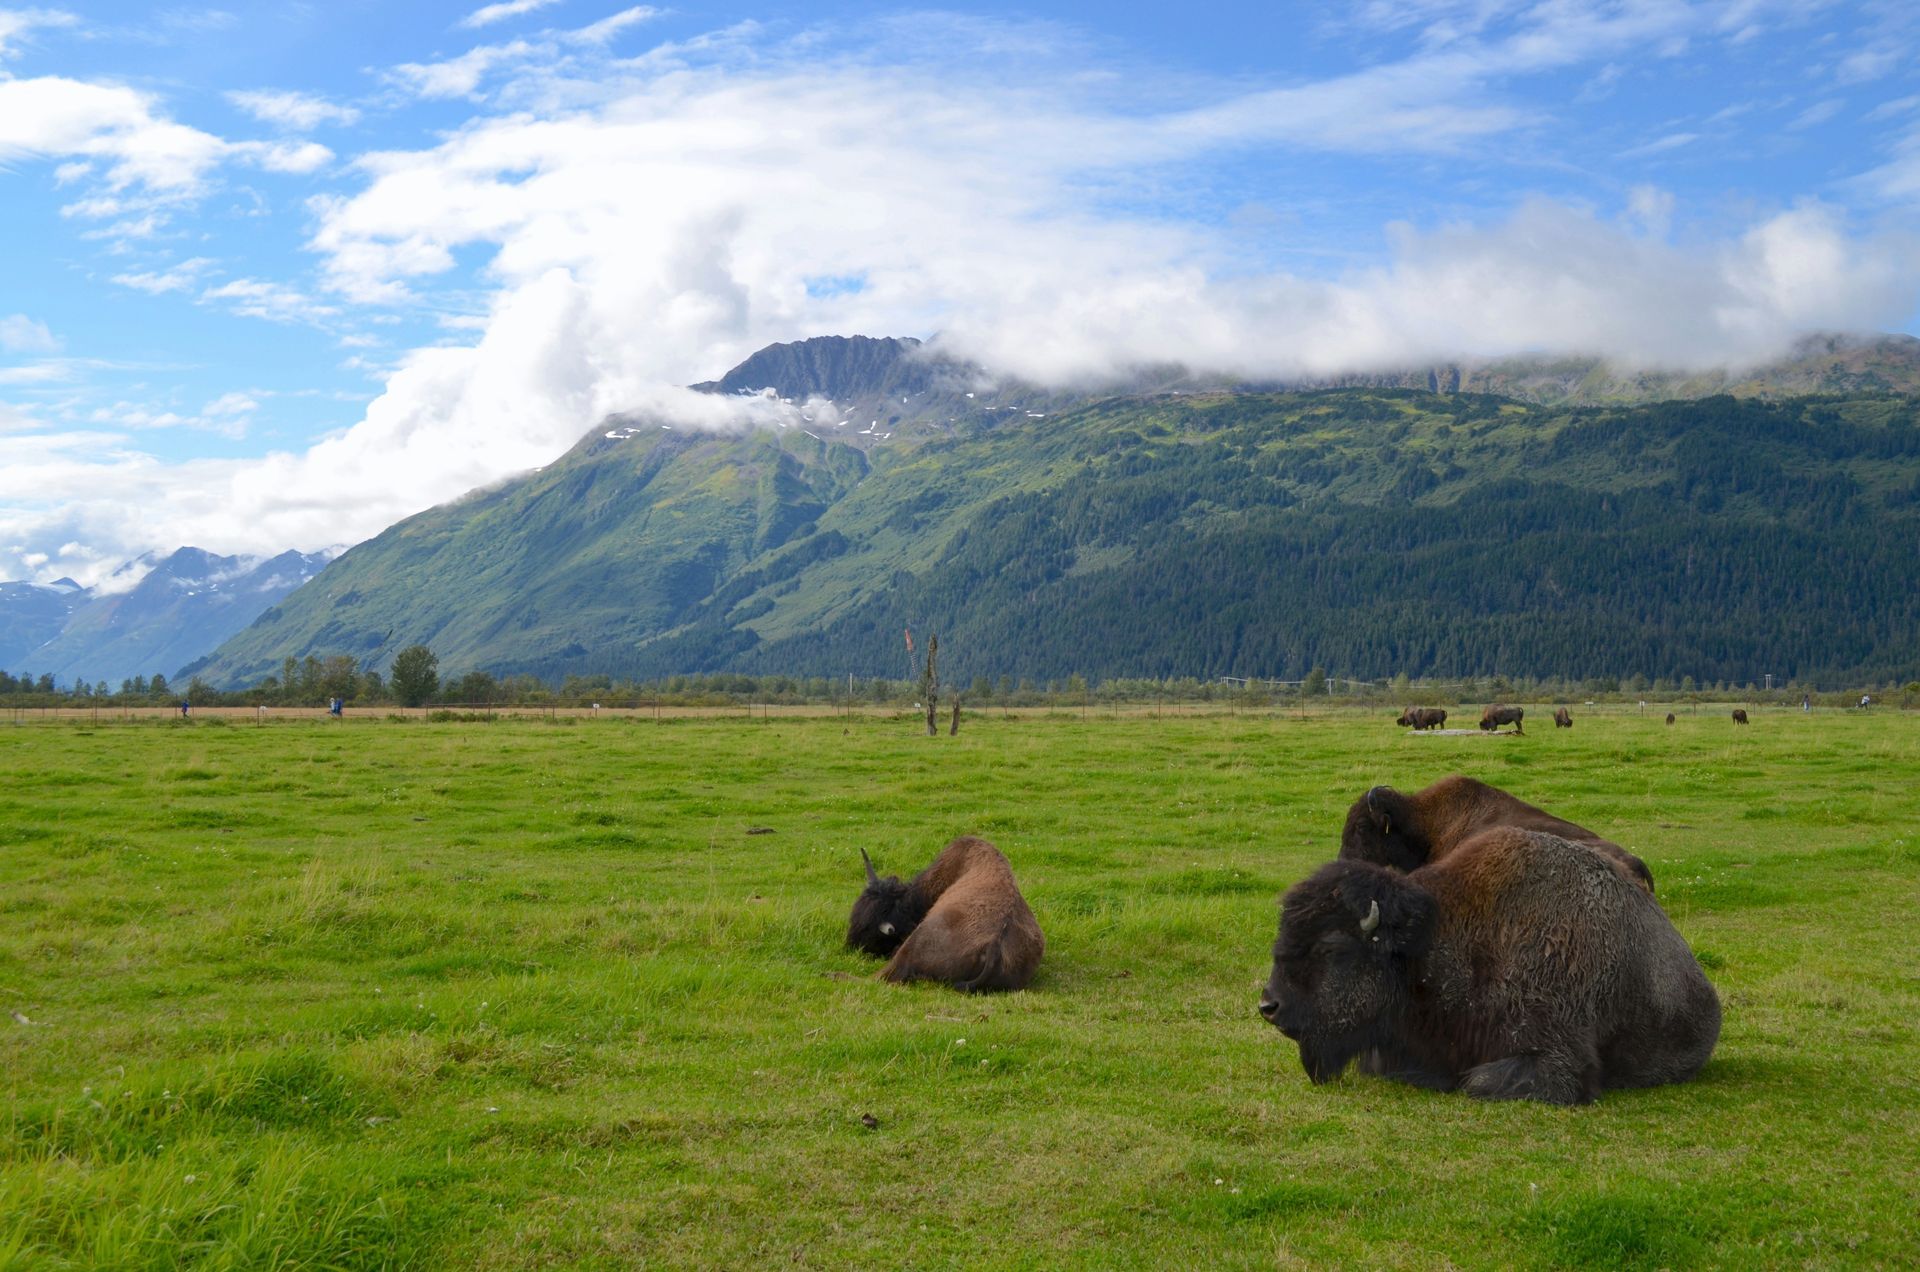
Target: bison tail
point(988, 973)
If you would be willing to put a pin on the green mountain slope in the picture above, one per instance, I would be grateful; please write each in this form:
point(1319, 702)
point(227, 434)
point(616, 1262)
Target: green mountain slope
point(1368, 531)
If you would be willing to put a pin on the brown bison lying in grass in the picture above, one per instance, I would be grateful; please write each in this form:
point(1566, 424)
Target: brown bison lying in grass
point(1404, 832)
point(1422, 718)
point(1521, 966)
point(962, 920)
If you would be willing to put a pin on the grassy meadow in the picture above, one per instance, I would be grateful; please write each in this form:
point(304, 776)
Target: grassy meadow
point(526, 993)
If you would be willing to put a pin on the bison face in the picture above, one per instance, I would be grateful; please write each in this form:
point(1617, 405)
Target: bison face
point(1381, 828)
point(1341, 963)
point(884, 915)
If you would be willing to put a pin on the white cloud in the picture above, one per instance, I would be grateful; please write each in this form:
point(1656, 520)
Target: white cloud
point(17, 22)
point(54, 116)
point(21, 334)
point(1817, 114)
point(1872, 63)
point(230, 404)
point(608, 27)
point(487, 15)
point(459, 76)
point(35, 373)
point(181, 277)
point(282, 156)
point(301, 112)
point(275, 302)
point(1660, 145)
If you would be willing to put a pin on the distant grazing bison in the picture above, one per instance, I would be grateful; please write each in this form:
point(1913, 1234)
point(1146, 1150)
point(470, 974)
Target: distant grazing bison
point(1669, 717)
point(1521, 966)
point(1562, 719)
point(1739, 715)
point(1404, 832)
point(962, 920)
point(1422, 718)
point(1496, 715)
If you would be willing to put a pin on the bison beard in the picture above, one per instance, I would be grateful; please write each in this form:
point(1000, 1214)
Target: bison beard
point(1521, 967)
point(1405, 832)
point(962, 920)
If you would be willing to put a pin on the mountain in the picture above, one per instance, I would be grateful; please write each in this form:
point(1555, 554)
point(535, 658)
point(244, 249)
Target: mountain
point(1179, 532)
point(31, 614)
point(185, 605)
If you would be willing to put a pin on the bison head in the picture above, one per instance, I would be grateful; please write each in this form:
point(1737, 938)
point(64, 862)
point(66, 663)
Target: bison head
point(885, 914)
point(1381, 828)
point(1341, 963)
point(1406, 718)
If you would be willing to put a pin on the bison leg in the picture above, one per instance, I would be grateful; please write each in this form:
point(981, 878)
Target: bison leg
point(1548, 1076)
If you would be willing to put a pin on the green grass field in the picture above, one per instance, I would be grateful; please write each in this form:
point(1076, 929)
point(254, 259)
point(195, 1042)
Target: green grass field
point(526, 994)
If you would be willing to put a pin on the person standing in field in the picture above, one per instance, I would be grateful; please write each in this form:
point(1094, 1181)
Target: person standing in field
point(335, 707)
point(185, 707)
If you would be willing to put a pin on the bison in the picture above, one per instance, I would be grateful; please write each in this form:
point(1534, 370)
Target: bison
point(1669, 717)
point(1739, 715)
point(1496, 715)
point(1562, 718)
point(1404, 832)
point(1519, 967)
point(962, 920)
point(1422, 718)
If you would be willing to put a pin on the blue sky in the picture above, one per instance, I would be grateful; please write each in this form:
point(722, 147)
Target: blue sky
point(277, 275)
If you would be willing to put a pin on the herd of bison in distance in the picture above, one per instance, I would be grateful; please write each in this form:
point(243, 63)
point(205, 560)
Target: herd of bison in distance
point(1463, 940)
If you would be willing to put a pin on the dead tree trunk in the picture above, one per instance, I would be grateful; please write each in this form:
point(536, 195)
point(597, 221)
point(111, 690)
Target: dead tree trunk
point(954, 729)
point(930, 686)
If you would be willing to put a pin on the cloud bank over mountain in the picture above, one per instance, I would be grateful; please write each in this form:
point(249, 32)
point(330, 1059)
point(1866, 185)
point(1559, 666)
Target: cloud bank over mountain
point(604, 226)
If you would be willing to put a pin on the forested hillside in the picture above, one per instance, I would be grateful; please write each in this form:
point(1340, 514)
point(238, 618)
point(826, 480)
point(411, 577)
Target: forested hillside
point(1369, 532)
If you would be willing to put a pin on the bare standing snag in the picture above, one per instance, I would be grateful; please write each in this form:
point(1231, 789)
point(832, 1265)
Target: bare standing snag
point(962, 920)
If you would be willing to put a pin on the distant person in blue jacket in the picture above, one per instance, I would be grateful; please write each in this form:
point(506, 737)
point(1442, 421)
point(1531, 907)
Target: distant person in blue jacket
point(185, 707)
point(335, 706)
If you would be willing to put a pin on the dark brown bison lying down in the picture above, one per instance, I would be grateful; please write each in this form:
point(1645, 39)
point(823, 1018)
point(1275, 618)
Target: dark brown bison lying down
point(1739, 715)
point(1496, 715)
point(1520, 967)
point(961, 920)
point(1405, 832)
point(1422, 717)
point(1562, 718)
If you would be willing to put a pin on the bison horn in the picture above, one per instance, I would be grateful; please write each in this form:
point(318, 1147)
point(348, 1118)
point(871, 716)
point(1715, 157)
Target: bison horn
point(871, 876)
point(1372, 920)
